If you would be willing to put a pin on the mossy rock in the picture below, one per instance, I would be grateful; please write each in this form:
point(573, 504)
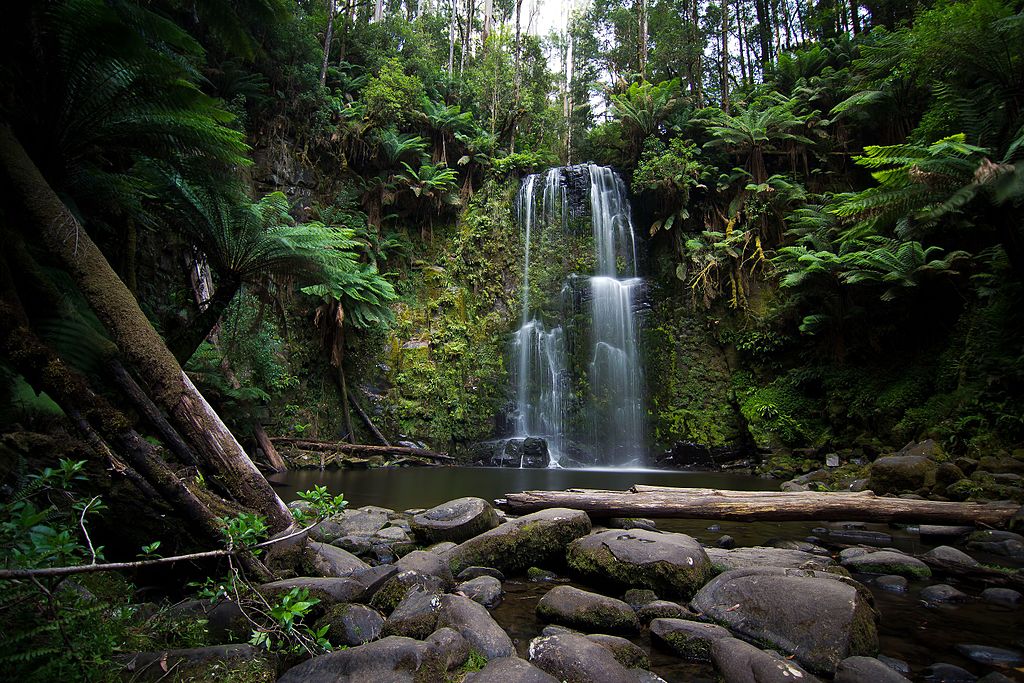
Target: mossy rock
point(215, 664)
point(530, 540)
point(888, 562)
point(673, 565)
point(586, 611)
point(902, 474)
point(689, 639)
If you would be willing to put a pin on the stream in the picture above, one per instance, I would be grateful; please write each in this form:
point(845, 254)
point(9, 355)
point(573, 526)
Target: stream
point(910, 631)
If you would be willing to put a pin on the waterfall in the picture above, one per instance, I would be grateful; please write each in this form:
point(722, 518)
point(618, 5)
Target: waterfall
point(579, 381)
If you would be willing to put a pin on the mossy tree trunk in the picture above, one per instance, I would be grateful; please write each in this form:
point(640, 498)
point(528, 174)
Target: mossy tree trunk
point(171, 389)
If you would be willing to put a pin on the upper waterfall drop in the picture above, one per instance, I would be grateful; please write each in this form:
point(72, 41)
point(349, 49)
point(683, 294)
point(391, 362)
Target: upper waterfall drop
point(579, 380)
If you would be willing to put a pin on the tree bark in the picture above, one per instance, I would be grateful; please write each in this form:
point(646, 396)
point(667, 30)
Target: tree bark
point(749, 506)
point(327, 41)
point(185, 342)
point(366, 419)
point(725, 56)
point(118, 310)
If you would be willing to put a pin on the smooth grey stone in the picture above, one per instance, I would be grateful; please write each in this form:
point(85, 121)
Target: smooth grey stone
point(428, 563)
point(626, 653)
point(576, 659)
point(942, 592)
point(866, 670)
point(1007, 597)
point(322, 559)
point(394, 659)
point(510, 670)
point(740, 662)
point(947, 673)
point(473, 572)
point(587, 611)
point(991, 656)
point(483, 589)
point(945, 553)
point(892, 583)
point(449, 645)
point(456, 520)
point(351, 624)
point(476, 625)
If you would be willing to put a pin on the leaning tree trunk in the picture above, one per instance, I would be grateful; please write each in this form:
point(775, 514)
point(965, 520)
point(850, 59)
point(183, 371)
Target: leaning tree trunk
point(141, 345)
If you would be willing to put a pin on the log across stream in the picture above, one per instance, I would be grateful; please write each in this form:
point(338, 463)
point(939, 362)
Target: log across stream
point(724, 504)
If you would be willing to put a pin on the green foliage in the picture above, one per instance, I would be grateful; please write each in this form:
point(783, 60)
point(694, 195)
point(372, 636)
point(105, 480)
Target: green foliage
point(321, 504)
point(243, 530)
point(391, 97)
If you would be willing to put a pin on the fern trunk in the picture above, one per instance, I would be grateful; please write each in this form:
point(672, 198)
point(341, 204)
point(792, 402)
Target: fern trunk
point(171, 389)
point(185, 342)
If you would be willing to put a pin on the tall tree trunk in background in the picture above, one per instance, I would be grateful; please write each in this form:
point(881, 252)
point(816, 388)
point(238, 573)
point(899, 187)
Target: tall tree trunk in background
point(517, 71)
point(488, 18)
point(741, 38)
point(467, 33)
point(855, 17)
point(327, 41)
point(764, 33)
point(184, 342)
point(451, 39)
point(641, 36)
point(724, 57)
point(378, 11)
point(697, 50)
point(118, 310)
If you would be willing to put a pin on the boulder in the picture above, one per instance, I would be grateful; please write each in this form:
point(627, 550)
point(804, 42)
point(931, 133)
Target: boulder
point(945, 553)
point(1001, 464)
point(892, 583)
point(521, 543)
point(631, 523)
point(394, 659)
point(473, 572)
point(327, 590)
point(449, 646)
point(888, 562)
point(361, 522)
point(670, 564)
point(456, 521)
point(415, 616)
point(577, 659)
point(688, 639)
point(662, 609)
point(626, 653)
point(510, 670)
point(946, 673)
point(430, 564)
point(398, 586)
point(739, 662)
point(757, 556)
point(943, 593)
point(587, 611)
point(225, 622)
point(1007, 597)
point(865, 670)
point(476, 625)
point(535, 452)
point(485, 590)
point(321, 559)
point(199, 663)
point(820, 618)
point(637, 597)
point(1000, 657)
point(351, 624)
point(900, 473)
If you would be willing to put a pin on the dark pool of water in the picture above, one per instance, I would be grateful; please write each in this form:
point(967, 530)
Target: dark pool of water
point(908, 630)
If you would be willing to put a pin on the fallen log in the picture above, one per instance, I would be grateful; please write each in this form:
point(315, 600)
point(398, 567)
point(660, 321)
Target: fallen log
point(358, 448)
point(750, 506)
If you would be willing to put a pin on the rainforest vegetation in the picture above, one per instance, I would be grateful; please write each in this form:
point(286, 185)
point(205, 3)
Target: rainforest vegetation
point(231, 220)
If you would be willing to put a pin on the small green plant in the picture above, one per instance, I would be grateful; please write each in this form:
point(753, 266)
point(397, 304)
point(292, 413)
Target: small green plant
point(322, 505)
point(287, 632)
point(149, 551)
point(244, 530)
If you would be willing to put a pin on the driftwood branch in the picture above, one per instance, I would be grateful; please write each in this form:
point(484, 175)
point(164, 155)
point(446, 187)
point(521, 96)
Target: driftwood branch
point(652, 501)
point(140, 564)
point(357, 448)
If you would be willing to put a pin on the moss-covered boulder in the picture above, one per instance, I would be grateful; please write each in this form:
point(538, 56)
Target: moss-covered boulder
point(626, 653)
point(888, 562)
point(576, 659)
point(586, 611)
point(456, 521)
point(737, 661)
point(688, 639)
point(351, 624)
point(415, 616)
point(476, 625)
point(817, 617)
point(902, 473)
point(522, 543)
point(201, 665)
point(395, 658)
point(670, 564)
point(322, 559)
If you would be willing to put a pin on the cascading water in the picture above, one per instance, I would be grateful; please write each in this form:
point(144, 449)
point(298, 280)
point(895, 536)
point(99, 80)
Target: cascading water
point(579, 381)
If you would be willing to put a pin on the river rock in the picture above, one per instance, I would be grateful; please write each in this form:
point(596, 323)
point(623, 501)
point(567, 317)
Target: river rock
point(892, 583)
point(321, 559)
point(398, 586)
point(476, 625)
point(1001, 464)
point(689, 639)
point(758, 556)
point(351, 624)
point(510, 670)
point(945, 553)
point(946, 673)
point(865, 670)
point(626, 653)
point(535, 452)
point(576, 659)
point(587, 611)
point(524, 542)
point(671, 564)
point(198, 663)
point(449, 646)
point(364, 521)
point(485, 590)
point(888, 562)
point(394, 659)
point(392, 534)
point(1007, 597)
point(637, 597)
point(936, 531)
point(415, 616)
point(442, 548)
point(991, 656)
point(859, 536)
point(473, 572)
point(430, 564)
point(942, 592)
point(818, 617)
point(900, 473)
point(662, 609)
point(374, 577)
point(327, 590)
point(997, 542)
point(739, 662)
point(457, 520)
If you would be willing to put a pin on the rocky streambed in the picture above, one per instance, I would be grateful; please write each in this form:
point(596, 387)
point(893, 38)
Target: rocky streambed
point(461, 592)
